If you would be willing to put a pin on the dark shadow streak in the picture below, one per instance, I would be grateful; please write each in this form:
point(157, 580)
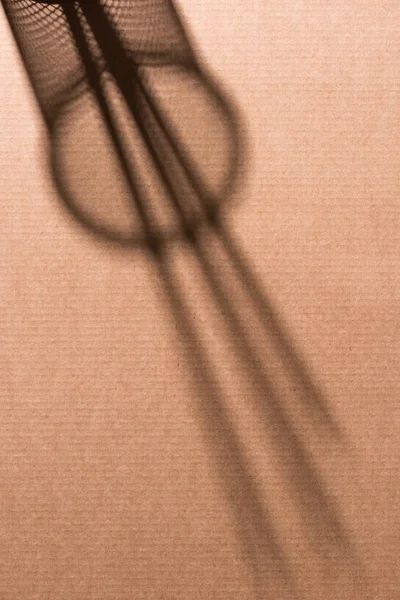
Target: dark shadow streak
point(261, 541)
point(253, 521)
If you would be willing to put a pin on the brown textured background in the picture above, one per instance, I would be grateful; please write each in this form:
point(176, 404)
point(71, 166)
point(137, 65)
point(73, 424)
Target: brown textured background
point(107, 489)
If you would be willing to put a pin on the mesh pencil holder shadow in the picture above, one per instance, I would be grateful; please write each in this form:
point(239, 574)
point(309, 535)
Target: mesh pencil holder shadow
point(143, 143)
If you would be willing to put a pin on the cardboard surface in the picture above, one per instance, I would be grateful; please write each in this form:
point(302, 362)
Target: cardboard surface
point(112, 482)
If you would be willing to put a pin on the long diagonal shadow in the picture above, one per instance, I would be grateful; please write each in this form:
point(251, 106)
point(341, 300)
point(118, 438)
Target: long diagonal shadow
point(103, 55)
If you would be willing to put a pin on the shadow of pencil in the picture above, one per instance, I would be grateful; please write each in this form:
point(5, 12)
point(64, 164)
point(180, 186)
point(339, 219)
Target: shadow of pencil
point(109, 83)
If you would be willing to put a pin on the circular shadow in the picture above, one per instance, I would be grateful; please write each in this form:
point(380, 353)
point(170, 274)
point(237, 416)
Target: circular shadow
point(182, 150)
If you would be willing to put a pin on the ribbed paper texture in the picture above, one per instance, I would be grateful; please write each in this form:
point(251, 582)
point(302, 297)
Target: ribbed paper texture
point(125, 471)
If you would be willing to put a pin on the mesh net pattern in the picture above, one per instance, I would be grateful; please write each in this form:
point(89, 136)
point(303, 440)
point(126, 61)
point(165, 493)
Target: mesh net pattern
point(140, 138)
point(149, 30)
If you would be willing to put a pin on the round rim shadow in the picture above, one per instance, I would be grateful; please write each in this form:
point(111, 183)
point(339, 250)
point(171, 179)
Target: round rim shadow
point(237, 152)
